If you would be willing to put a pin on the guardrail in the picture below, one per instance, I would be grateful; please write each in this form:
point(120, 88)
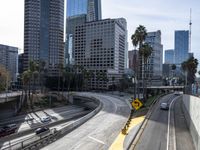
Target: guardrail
point(42, 141)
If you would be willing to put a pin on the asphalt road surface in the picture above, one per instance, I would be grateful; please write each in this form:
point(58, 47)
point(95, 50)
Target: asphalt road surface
point(56, 114)
point(100, 131)
point(166, 130)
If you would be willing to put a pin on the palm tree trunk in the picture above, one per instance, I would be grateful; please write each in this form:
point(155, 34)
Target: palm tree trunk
point(143, 76)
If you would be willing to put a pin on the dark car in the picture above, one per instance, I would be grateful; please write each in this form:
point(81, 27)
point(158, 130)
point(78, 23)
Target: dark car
point(7, 130)
point(41, 130)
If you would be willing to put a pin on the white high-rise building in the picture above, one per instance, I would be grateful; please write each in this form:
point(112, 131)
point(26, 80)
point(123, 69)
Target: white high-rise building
point(100, 47)
point(155, 61)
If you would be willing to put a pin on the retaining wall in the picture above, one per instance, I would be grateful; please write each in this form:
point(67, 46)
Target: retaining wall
point(191, 108)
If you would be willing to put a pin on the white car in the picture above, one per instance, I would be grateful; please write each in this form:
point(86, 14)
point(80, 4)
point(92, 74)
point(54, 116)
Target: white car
point(164, 106)
point(46, 119)
point(176, 93)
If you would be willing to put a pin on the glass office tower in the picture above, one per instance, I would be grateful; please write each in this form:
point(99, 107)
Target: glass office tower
point(76, 7)
point(44, 33)
point(91, 8)
point(79, 12)
point(181, 46)
point(169, 56)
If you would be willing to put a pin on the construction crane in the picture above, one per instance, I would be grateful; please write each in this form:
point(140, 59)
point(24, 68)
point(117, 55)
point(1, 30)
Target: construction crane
point(190, 32)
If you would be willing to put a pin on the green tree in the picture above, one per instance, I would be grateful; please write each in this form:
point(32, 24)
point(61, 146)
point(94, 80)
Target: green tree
point(42, 74)
point(4, 78)
point(190, 69)
point(26, 79)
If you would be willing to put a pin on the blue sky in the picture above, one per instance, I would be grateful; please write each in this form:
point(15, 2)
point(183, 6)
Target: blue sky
point(164, 15)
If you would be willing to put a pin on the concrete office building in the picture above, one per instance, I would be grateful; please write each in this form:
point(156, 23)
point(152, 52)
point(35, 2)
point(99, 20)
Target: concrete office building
point(155, 61)
point(9, 59)
point(100, 46)
point(79, 12)
point(169, 56)
point(43, 33)
point(181, 46)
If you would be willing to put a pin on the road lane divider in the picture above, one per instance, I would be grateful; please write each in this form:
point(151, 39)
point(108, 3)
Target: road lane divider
point(171, 143)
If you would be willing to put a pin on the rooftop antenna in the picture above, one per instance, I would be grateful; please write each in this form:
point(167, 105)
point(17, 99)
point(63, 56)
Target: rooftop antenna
point(190, 32)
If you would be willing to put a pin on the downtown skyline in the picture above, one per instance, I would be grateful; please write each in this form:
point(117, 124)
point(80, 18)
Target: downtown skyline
point(157, 15)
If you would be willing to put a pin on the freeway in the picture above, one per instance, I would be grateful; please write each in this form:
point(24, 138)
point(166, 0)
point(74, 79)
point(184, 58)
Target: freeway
point(166, 130)
point(26, 126)
point(100, 131)
point(34, 120)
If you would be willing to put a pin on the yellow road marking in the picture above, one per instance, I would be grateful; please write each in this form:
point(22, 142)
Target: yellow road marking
point(119, 141)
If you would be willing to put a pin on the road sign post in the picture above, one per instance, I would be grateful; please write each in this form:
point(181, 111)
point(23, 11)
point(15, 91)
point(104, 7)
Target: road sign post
point(137, 104)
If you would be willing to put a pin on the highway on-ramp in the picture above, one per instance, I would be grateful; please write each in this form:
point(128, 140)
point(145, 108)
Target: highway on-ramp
point(100, 131)
point(166, 130)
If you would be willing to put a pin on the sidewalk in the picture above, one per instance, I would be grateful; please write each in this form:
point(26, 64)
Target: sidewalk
point(122, 141)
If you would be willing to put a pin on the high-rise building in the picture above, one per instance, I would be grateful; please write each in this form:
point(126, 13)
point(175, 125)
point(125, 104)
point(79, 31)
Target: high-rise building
point(133, 57)
point(156, 59)
point(169, 56)
point(100, 47)
point(43, 33)
point(9, 59)
point(90, 8)
point(152, 71)
point(79, 12)
point(20, 63)
point(181, 46)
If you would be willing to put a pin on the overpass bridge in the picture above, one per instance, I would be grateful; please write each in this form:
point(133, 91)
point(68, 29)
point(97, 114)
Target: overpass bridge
point(166, 87)
point(7, 97)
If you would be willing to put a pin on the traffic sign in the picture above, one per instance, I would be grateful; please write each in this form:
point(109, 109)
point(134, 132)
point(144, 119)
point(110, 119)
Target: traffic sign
point(137, 104)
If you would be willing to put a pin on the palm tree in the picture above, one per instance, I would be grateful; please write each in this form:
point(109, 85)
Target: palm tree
point(42, 72)
point(145, 52)
point(138, 38)
point(26, 78)
point(190, 69)
point(173, 69)
point(60, 70)
point(34, 72)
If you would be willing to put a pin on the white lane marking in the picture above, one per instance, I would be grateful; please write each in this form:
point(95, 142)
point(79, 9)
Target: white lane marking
point(169, 115)
point(96, 140)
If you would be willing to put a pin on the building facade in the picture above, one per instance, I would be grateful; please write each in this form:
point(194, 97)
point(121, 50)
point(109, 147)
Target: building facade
point(20, 63)
point(100, 47)
point(43, 33)
point(181, 46)
point(90, 8)
point(156, 59)
point(9, 59)
point(79, 12)
point(133, 57)
point(169, 56)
